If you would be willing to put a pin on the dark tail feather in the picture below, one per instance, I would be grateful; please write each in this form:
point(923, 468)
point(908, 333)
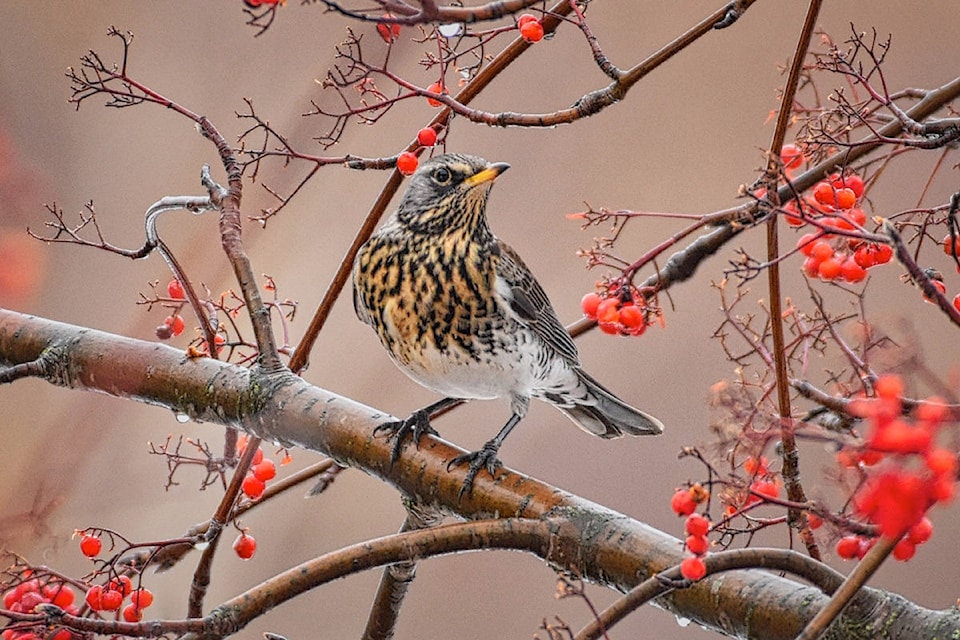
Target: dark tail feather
point(609, 416)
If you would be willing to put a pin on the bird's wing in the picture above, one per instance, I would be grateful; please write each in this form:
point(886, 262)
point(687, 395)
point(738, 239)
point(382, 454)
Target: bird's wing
point(528, 301)
point(358, 306)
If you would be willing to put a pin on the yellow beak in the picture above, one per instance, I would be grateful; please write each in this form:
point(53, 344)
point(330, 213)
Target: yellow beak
point(486, 175)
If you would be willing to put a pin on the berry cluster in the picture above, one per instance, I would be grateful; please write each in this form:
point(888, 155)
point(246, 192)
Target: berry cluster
point(30, 593)
point(696, 527)
point(684, 503)
point(173, 325)
point(831, 207)
point(530, 28)
point(916, 472)
point(262, 470)
point(389, 31)
point(111, 596)
point(616, 315)
point(407, 161)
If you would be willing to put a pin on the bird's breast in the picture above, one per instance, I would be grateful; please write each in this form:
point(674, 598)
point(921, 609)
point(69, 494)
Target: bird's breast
point(434, 308)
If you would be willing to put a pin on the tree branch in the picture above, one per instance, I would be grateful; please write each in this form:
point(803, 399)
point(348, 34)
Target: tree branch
point(601, 545)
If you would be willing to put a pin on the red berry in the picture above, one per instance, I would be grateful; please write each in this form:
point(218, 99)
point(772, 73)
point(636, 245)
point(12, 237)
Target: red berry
point(388, 31)
point(857, 216)
point(942, 462)
point(427, 137)
point(814, 521)
point(693, 568)
point(265, 471)
point(766, 488)
point(920, 532)
point(889, 386)
point(756, 466)
point(245, 546)
point(853, 182)
point(525, 18)
point(904, 550)
point(811, 267)
point(884, 254)
point(253, 487)
point(806, 242)
point(683, 503)
point(175, 323)
point(951, 246)
point(132, 613)
point(141, 598)
point(821, 250)
point(94, 597)
point(257, 457)
point(111, 600)
point(823, 193)
point(792, 214)
point(59, 594)
point(175, 290)
point(436, 87)
point(851, 271)
point(697, 544)
point(407, 163)
point(531, 31)
point(865, 256)
point(829, 269)
point(846, 198)
point(611, 328)
point(589, 304)
point(848, 547)
point(697, 525)
point(90, 546)
point(30, 600)
point(631, 317)
point(121, 584)
point(791, 156)
point(609, 310)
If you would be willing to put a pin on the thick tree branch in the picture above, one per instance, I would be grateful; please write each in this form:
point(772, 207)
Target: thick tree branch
point(599, 544)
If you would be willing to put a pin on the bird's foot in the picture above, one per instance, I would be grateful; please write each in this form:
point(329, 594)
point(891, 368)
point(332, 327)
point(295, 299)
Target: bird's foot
point(417, 424)
point(485, 458)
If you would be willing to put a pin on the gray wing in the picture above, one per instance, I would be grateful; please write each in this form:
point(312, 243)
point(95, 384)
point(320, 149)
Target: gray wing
point(529, 302)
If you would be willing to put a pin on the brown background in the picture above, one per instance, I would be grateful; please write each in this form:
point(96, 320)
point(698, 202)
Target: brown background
point(683, 141)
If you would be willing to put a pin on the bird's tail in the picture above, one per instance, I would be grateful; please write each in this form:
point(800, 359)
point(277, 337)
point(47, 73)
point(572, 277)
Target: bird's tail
point(605, 415)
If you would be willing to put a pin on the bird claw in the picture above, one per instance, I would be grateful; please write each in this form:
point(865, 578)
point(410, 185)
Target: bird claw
point(485, 458)
point(418, 424)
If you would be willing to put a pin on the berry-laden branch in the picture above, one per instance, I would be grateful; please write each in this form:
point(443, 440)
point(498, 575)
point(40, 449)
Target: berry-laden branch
point(682, 265)
point(359, 74)
point(617, 551)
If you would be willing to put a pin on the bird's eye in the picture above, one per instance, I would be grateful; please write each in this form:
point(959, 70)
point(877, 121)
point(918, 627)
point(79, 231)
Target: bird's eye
point(442, 175)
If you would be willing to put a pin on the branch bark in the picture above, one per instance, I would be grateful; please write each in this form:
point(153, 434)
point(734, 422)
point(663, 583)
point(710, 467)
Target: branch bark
point(601, 545)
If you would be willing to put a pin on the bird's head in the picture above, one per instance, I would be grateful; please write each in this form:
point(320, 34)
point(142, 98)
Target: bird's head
point(448, 192)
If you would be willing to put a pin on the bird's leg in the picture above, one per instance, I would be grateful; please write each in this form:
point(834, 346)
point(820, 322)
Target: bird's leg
point(418, 424)
point(485, 458)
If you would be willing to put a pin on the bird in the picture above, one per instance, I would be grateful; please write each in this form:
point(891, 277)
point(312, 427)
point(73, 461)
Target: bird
point(460, 313)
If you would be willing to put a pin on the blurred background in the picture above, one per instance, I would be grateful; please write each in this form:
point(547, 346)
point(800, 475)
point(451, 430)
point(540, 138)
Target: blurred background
point(683, 141)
